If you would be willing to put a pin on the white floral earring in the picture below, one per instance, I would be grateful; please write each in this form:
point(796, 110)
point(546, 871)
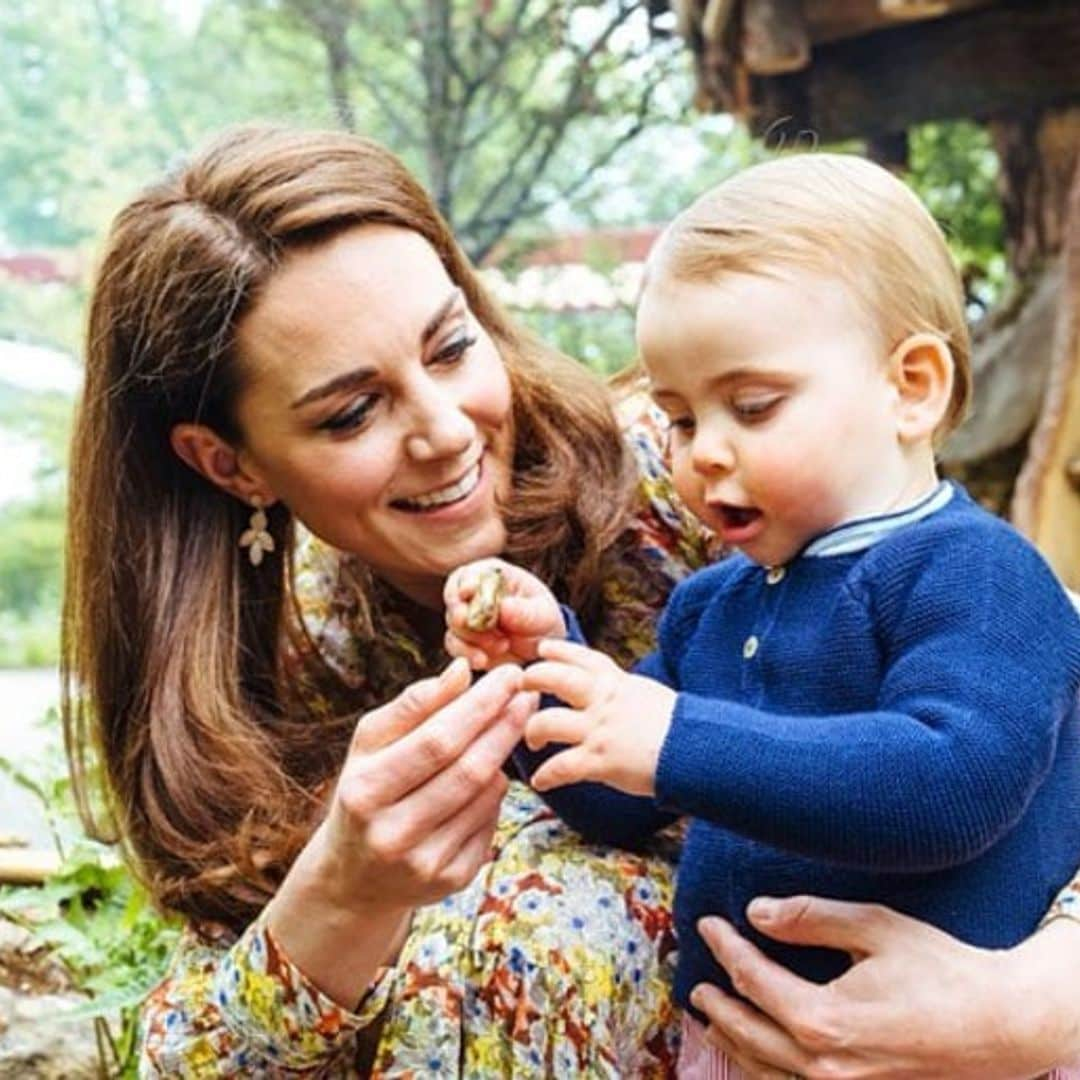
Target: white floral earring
point(255, 537)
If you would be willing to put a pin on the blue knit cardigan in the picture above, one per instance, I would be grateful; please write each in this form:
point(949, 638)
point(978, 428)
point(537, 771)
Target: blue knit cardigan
point(890, 717)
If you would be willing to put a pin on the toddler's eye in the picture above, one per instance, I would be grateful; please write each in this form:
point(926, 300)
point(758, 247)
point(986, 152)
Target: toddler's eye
point(683, 424)
point(757, 407)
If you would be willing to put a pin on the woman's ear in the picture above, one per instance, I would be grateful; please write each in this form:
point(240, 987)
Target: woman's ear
point(921, 370)
point(205, 451)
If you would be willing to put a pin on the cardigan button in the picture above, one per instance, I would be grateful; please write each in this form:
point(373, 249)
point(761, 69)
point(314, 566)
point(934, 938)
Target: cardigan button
point(774, 575)
point(750, 647)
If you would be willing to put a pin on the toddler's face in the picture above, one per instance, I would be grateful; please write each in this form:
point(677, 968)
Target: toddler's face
point(783, 410)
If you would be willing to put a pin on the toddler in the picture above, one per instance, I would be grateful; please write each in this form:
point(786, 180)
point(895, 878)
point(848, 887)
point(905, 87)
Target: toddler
point(875, 698)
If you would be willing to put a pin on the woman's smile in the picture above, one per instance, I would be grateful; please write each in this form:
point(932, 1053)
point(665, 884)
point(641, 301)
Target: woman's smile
point(454, 494)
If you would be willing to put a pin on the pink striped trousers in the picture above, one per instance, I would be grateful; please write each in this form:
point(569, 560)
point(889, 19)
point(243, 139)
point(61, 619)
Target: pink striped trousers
point(699, 1060)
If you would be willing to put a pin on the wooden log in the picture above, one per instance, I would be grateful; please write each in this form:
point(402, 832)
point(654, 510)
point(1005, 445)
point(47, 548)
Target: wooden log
point(1020, 55)
point(1047, 502)
point(24, 866)
point(831, 20)
point(775, 38)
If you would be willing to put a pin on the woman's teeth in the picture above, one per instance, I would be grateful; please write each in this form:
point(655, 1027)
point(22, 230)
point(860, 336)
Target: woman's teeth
point(444, 496)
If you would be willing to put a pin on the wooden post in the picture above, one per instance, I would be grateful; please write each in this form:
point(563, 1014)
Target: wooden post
point(1047, 502)
point(775, 37)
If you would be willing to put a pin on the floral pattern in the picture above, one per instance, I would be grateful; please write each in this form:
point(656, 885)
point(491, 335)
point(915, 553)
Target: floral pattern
point(555, 961)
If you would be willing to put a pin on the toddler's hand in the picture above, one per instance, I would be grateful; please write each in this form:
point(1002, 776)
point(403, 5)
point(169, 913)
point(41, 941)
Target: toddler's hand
point(616, 723)
point(496, 612)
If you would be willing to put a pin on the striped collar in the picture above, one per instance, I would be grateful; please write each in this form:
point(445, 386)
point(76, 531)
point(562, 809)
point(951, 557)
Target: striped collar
point(865, 532)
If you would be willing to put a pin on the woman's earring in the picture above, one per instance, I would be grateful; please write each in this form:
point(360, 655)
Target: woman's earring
point(255, 537)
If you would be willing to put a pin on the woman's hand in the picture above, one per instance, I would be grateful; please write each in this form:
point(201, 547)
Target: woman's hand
point(410, 821)
point(616, 722)
point(508, 626)
point(916, 1002)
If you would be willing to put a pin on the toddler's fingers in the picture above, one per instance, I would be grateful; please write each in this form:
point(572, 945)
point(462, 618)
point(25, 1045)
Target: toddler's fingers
point(477, 659)
point(571, 684)
point(529, 617)
point(555, 725)
point(569, 652)
point(570, 767)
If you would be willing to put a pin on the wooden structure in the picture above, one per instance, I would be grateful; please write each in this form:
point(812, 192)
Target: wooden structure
point(806, 71)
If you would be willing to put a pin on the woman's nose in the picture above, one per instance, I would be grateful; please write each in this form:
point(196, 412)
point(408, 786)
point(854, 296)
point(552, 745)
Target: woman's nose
point(439, 426)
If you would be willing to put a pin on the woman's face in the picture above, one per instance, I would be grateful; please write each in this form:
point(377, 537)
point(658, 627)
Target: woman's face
point(377, 407)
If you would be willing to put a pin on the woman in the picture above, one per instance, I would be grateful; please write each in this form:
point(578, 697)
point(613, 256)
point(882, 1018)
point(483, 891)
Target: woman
point(284, 332)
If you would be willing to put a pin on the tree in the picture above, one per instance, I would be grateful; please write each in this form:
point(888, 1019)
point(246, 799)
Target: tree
point(506, 108)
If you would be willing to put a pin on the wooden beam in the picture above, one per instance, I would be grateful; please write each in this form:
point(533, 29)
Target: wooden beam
point(913, 9)
point(994, 61)
point(775, 38)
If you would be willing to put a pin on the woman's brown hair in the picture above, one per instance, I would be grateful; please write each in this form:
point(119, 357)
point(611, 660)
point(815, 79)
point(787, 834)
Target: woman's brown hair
point(172, 642)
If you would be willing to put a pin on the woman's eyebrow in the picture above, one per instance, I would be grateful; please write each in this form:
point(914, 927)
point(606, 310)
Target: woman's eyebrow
point(349, 380)
point(436, 320)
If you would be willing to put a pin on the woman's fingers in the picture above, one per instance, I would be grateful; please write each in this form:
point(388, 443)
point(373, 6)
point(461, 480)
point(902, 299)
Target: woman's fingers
point(568, 682)
point(409, 709)
point(431, 805)
point(854, 928)
point(466, 856)
point(772, 988)
point(391, 773)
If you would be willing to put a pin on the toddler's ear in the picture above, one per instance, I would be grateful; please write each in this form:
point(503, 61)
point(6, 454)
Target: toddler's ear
point(921, 369)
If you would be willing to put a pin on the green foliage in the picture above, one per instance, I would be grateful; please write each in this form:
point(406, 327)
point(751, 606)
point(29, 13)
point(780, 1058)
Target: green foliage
point(953, 169)
point(93, 914)
point(602, 340)
point(31, 640)
point(31, 553)
point(41, 314)
point(32, 532)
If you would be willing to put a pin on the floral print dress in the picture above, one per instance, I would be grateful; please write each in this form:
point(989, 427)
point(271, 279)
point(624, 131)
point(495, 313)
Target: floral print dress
point(555, 961)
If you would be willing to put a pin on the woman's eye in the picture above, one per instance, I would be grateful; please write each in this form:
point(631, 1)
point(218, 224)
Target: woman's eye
point(755, 408)
point(351, 418)
point(684, 425)
point(454, 350)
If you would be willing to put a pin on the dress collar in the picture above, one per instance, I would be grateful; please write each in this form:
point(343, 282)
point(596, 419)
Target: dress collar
point(865, 532)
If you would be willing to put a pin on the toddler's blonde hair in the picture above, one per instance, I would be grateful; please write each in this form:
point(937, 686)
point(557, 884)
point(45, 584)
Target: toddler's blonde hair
point(839, 215)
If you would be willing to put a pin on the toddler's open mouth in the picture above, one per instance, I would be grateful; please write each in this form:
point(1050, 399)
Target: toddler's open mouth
point(738, 524)
point(738, 517)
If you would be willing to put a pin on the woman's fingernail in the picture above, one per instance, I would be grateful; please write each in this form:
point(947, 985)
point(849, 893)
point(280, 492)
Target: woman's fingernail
point(763, 909)
point(697, 997)
point(452, 669)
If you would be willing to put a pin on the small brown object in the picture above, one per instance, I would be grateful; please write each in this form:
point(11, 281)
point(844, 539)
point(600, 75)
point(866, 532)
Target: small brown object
point(483, 612)
point(1072, 472)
